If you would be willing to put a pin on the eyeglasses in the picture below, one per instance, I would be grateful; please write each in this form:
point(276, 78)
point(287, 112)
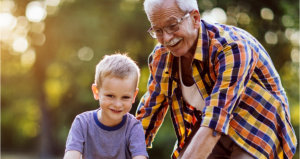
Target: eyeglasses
point(170, 29)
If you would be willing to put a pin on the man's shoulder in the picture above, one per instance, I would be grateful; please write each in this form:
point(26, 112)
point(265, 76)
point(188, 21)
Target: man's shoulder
point(159, 49)
point(155, 56)
point(229, 32)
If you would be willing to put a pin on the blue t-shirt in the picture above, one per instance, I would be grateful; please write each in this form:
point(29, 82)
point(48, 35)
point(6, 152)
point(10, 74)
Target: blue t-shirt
point(95, 140)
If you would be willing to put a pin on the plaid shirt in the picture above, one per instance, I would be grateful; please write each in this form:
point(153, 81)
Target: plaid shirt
point(242, 91)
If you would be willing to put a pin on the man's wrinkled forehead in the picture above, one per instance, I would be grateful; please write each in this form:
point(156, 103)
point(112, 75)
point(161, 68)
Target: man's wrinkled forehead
point(164, 14)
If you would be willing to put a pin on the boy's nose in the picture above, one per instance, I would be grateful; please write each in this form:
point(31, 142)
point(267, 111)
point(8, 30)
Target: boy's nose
point(118, 103)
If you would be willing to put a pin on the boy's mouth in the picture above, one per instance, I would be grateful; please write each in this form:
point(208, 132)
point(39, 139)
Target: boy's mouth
point(116, 111)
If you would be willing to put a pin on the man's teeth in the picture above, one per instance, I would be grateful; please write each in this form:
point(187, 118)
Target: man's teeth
point(174, 42)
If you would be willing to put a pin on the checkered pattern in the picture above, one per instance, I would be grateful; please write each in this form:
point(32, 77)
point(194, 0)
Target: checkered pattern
point(243, 94)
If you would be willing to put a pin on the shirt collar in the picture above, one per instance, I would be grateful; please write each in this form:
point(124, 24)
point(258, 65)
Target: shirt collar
point(202, 43)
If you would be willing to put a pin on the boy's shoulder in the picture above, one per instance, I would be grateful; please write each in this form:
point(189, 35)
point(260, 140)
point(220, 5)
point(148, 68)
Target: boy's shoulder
point(132, 121)
point(89, 112)
point(132, 118)
point(85, 116)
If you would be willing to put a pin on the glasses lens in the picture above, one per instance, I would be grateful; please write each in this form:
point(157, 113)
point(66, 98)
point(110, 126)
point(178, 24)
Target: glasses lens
point(172, 28)
point(151, 32)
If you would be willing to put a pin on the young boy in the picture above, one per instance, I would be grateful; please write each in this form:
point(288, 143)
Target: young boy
point(110, 132)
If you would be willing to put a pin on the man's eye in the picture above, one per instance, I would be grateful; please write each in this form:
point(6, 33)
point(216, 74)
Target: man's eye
point(157, 31)
point(172, 26)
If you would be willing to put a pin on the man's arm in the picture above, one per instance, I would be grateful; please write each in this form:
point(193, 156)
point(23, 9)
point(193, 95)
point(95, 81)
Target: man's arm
point(233, 65)
point(202, 144)
point(153, 105)
point(72, 155)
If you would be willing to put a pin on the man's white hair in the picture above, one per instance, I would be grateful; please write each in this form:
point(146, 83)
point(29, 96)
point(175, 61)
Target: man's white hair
point(184, 5)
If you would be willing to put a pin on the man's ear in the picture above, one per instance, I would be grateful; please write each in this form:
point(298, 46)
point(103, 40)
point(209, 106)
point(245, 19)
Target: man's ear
point(135, 94)
point(195, 15)
point(95, 91)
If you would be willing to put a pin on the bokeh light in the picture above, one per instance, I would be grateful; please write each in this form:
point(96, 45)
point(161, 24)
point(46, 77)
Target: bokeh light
point(216, 15)
point(287, 21)
point(243, 18)
point(295, 38)
point(7, 21)
point(22, 22)
point(37, 27)
point(85, 53)
point(20, 44)
point(52, 3)
point(267, 14)
point(38, 39)
point(7, 6)
point(35, 11)
point(62, 48)
point(271, 38)
point(28, 58)
point(295, 55)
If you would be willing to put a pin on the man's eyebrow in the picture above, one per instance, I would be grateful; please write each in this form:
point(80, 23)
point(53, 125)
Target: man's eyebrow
point(170, 20)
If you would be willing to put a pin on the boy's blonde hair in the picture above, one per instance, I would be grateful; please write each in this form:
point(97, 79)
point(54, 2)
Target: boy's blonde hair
point(116, 65)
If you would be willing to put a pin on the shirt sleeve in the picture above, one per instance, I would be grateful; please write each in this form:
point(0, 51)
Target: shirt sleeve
point(153, 105)
point(75, 140)
point(233, 67)
point(137, 145)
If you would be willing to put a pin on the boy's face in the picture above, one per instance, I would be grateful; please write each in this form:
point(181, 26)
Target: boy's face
point(115, 96)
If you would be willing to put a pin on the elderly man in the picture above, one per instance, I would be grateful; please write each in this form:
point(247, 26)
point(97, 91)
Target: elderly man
point(218, 78)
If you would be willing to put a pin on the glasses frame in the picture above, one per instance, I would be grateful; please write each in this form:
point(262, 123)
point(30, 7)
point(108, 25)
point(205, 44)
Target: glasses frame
point(179, 21)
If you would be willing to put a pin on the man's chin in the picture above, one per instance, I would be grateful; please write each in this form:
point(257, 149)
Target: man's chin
point(176, 53)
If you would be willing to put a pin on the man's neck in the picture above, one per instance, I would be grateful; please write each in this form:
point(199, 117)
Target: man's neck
point(186, 65)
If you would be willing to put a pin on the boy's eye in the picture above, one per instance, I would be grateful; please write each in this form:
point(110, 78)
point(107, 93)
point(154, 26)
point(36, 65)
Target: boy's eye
point(109, 95)
point(126, 97)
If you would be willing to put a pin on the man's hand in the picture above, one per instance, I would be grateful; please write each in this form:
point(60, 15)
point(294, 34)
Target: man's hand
point(201, 145)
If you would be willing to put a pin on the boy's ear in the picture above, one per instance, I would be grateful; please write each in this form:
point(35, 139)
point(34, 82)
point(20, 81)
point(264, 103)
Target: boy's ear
point(95, 91)
point(135, 94)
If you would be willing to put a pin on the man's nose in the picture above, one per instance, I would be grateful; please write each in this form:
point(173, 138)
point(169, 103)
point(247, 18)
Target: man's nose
point(167, 37)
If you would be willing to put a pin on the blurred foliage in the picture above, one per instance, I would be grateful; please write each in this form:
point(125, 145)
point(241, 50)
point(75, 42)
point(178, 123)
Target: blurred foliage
point(48, 83)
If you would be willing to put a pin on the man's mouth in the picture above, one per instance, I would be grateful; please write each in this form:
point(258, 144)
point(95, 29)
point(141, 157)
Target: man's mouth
point(173, 42)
